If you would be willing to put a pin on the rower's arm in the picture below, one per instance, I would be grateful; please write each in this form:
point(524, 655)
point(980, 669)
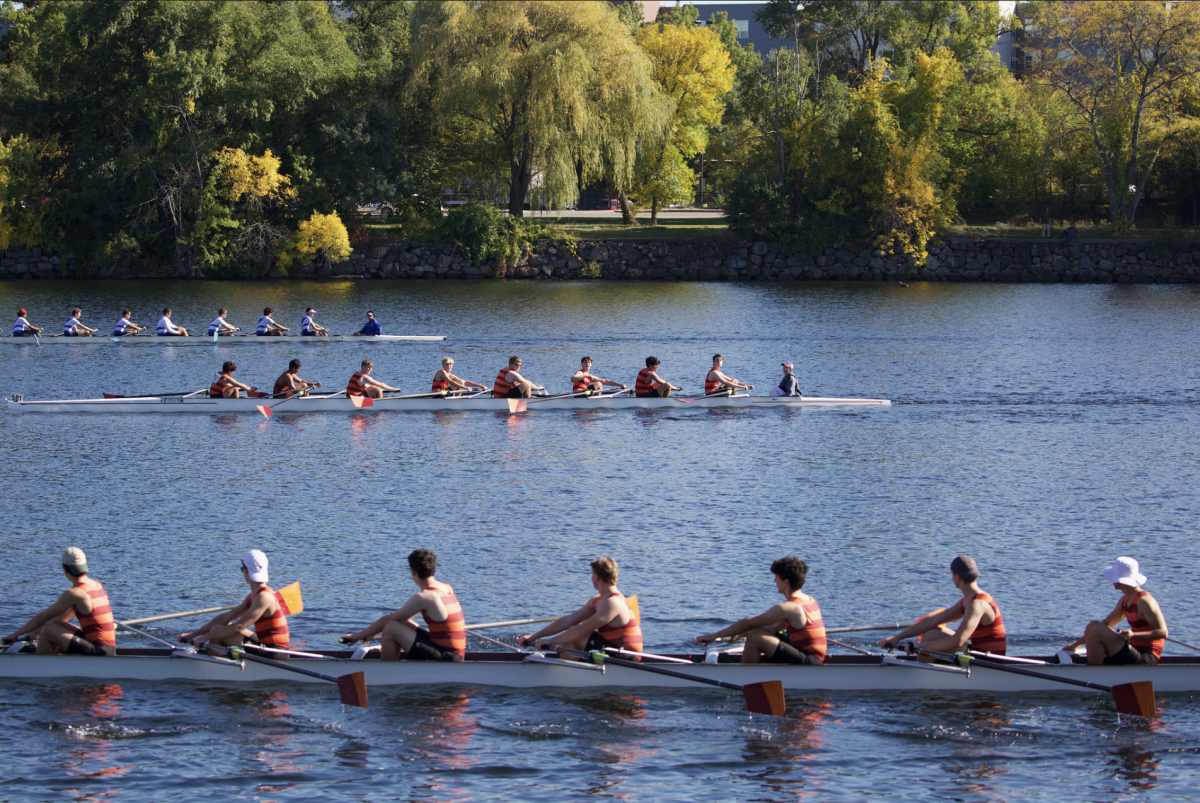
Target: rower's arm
point(62, 609)
point(729, 380)
point(611, 382)
point(1114, 617)
point(606, 611)
point(412, 606)
point(662, 381)
point(1148, 609)
point(957, 641)
point(220, 620)
point(777, 613)
point(925, 625)
point(560, 624)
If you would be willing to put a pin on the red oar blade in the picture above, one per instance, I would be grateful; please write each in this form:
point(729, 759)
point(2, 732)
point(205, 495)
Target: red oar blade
point(265, 410)
point(353, 688)
point(765, 698)
point(516, 405)
point(112, 396)
point(1135, 699)
point(361, 401)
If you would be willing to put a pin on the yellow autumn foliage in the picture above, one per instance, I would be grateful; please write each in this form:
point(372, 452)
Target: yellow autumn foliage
point(253, 177)
point(322, 236)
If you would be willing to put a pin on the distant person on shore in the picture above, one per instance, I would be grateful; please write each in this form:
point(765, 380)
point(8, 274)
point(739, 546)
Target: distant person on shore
point(267, 326)
point(584, 380)
point(219, 326)
point(74, 327)
point(371, 328)
point(1070, 234)
point(23, 328)
point(363, 384)
point(85, 599)
point(715, 381)
point(649, 384)
point(982, 626)
point(1046, 224)
point(511, 385)
point(167, 329)
point(309, 327)
point(125, 327)
point(1142, 644)
point(606, 620)
point(224, 386)
point(289, 383)
point(443, 380)
point(789, 385)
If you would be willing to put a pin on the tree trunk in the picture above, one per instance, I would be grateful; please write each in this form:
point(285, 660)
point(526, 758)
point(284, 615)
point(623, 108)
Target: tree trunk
point(626, 212)
point(520, 178)
point(653, 210)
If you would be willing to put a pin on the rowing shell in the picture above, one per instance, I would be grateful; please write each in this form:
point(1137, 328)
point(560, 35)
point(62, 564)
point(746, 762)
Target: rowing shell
point(206, 340)
point(839, 674)
point(307, 404)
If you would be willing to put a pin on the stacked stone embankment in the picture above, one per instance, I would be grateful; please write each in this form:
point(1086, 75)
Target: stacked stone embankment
point(953, 260)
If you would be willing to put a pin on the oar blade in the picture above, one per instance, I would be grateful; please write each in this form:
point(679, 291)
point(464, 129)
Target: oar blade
point(516, 405)
point(353, 689)
point(293, 601)
point(632, 602)
point(1135, 699)
point(265, 410)
point(361, 401)
point(765, 698)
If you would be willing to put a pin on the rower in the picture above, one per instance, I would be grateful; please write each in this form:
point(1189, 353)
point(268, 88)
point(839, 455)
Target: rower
point(371, 328)
point(309, 327)
point(791, 632)
point(225, 386)
point(605, 620)
point(125, 327)
point(649, 384)
point(220, 326)
point(267, 326)
point(444, 381)
point(715, 381)
point(23, 328)
point(85, 599)
point(167, 329)
point(74, 328)
point(363, 384)
point(584, 380)
point(982, 627)
point(289, 384)
point(260, 619)
point(1142, 644)
point(510, 384)
point(789, 385)
point(446, 638)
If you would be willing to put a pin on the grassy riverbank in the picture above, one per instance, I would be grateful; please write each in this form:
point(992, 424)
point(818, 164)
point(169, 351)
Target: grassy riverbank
point(1087, 231)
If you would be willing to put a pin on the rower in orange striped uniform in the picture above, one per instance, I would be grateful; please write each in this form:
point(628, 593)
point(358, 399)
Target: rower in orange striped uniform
point(86, 600)
point(715, 381)
point(1142, 644)
point(446, 638)
point(363, 384)
point(511, 385)
point(444, 380)
point(790, 632)
point(649, 384)
point(260, 619)
point(606, 620)
point(982, 626)
point(584, 380)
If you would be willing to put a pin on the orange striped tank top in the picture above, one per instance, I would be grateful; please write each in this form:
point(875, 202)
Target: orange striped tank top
point(711, 385)
point(439, 385)
point(580, 385)
point(452, 633)
point(811, 638)
point(990, 638)
point(271, 628)
point(1136, 622)
point(644, 385)
point(627, 636)
point(502, 386)
point(98, 626)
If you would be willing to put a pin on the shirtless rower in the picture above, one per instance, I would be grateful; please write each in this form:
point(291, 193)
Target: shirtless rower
point(260, 619)
point(74, 328)
point(309, 327)
point(1142, 644)
point(165, 328)
point(85, 599)
point(649, 384)
point(125, 326)
point(982, 626)
point(220, 326)
point(289, 384)
point(363, 384)
point(444, 381)
point(584, 380)
point(715, 381)
point(23, 328)
point(446, 638)
point(790, 632)
point(267, 327)
point(510, 384)
point(224, 386)
point(605, 620)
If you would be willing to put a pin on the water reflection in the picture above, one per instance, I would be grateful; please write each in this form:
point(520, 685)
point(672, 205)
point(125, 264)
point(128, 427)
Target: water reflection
point(789, 753)
point(438, 735)
point(93, 755)
point(1136, 766)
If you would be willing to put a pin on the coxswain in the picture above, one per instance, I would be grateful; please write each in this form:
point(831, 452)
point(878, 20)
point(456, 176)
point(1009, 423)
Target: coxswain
point(363, 384)
point(606, 620)
point(167, 329)
point(220, 326)
point(584, 380)
point(510, 384)
point(371, 328)
point(267, 327)
point(125, 326)
point(1142, 644)
point(982, 626)
point(260, 619)
point(289, 384)
point(309, 327)
point(74, 328)
point(23, 328)
point(444, 381)
point(716, 381)
point(86, 600)
point(649, 384)
point(789, 385)
point(790, 632)
point(446, 636)
point(225, 386)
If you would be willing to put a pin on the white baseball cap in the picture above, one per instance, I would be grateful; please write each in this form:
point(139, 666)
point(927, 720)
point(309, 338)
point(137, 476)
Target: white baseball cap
point(1125, 571)
point(74, 560)
point(256, 565)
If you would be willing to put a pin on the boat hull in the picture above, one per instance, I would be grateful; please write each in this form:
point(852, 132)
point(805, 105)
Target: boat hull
point(205, 340)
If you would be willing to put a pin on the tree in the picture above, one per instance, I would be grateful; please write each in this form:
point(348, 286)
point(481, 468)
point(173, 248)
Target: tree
point(850, 31)
point(321, 237)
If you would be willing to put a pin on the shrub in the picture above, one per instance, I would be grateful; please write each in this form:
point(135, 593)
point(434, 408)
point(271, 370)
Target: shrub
point(475, 228)
point(757, 210)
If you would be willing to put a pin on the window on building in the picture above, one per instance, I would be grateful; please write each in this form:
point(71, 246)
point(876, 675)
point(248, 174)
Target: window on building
point(743, 27)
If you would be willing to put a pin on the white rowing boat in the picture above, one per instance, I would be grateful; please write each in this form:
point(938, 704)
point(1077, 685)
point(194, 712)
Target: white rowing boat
point(839, 674)
point(328, 404)
point(207, 340)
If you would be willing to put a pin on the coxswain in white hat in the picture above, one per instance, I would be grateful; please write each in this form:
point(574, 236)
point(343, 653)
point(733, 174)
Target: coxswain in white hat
point(1142, 643)
point(85, 599)
point(260, 619)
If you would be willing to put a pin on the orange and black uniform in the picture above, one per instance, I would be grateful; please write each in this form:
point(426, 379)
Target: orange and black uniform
point(217, 388)
point(987, 638)
point(282, 388)
point(356, 387)
point(643, 386)
point(440, 385)
point(626, 637)
point(503, 388)
point(98, 629)
point(1138, 650)
point(443, 641)
point(806, 645)
point(711, 385)
point(271, 629)
point(580, 385)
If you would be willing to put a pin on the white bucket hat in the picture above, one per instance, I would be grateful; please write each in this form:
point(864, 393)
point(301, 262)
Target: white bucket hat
point(1125, 571)
point(256, 565)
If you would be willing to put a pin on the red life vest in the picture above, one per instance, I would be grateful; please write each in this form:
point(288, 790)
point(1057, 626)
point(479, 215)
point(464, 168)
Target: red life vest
point(98, 626)
point(440, 385)
point(282, 387)
point(711, 385)
point(644, 385)
point(989, 638)
point(810, 638)
point(502, 386)
point(627, 636)
point(1136, 622)
point(580, 385)
point(452, 633)
point(217, 389)
point(271, 628)
point(355, 387)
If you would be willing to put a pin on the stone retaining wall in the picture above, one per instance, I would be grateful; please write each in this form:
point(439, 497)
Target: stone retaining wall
point(1098, 261)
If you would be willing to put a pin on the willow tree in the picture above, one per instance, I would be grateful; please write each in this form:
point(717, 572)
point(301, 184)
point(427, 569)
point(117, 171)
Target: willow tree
point(558, 90)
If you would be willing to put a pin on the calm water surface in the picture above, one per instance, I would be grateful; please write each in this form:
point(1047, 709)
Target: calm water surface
point(1044, 430)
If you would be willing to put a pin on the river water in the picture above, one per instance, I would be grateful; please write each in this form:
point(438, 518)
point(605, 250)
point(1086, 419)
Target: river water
point(1044, 430)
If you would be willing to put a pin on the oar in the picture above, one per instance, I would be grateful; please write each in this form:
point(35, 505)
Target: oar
point(1183, 644)
point(854, 629)
point(154, 395)
point(887, 659)
point(499, 643)
point(511, 623)
point(761, 698)
point(649, 656)
point(519, 405)
point(266, 410)
point(1135, 699)
point(293, 601)
point(351, 687)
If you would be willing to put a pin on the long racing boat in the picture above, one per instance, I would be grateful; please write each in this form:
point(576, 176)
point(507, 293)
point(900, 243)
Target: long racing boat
point(206, 340)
